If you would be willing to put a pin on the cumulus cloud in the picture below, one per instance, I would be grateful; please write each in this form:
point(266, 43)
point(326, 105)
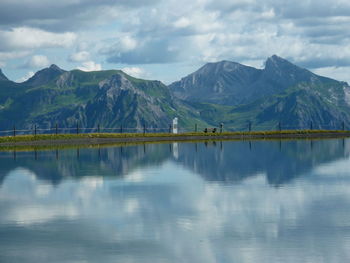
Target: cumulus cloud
point(150, 51)
point(122, 44)
point(31, 38)
point(313, 8)
point(80, 56)
point(38, 61)
point(135, 72)
point(63, 15)
point(127, 43)
point(13, 55)
point(311, 33)
point(244, 30)
point(246, 222)
point(182, 22)
point(339, 73)
point(5, 56)
point(90, 66)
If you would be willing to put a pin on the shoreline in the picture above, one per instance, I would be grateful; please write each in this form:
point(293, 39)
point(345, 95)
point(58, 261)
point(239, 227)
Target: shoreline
point(100, 139)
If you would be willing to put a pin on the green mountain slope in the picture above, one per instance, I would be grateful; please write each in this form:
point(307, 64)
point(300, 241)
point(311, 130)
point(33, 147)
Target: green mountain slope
point(305, 106)
point(110, 98)
point(281, 94)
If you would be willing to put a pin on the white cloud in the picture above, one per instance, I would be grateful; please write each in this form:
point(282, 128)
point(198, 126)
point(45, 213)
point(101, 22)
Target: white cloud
point(80, 56)
point(121, 45)
point(135, 72)
point(245, 30)
point(182, 22)
point(196, 221)
point(128, 43)
point(82, 46)
point(66, 14)
point(339, 73)
point(195, 32)
point(13, 55)
point(268, 14)
point(31, 38)
point(38, 61)
point(26, 77)
point(90, 66)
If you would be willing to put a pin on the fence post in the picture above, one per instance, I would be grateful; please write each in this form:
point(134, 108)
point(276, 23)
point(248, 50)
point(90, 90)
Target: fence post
point(170, 128)
point(221, 127)
point(311, 127)
point(279, 126)
point(56, 128)
point(77, 128)
point(144, 128)
point(98, 128)
point(195, 128)
point(35, 130)
point(14, 130)
point(249, 126)
point(343, 126)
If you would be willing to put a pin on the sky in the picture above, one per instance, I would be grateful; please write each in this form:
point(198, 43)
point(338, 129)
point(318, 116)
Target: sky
point(169, 39)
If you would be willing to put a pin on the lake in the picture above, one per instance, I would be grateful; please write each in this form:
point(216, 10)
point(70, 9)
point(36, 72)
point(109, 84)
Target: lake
point(231, 201)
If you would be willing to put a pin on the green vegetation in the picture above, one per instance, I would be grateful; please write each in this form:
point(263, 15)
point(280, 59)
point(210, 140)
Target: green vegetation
point(108, 98)
point(262, 134)
point(113, 99)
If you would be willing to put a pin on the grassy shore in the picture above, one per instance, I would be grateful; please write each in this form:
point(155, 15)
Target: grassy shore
point(129, 137)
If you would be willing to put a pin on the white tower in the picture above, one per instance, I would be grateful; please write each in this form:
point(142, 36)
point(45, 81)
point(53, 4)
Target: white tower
point(175, 126)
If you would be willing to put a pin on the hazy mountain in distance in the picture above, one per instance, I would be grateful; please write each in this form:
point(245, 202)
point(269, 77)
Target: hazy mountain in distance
point(282, 92)
point(230, 83)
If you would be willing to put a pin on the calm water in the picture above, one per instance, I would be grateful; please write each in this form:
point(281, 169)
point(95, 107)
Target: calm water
point(260, 201)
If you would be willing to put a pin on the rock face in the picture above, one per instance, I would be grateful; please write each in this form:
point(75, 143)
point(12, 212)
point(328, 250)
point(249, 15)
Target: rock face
point(44, 76)
point(280, 93)
point(2, 76)
point(306, 106)
point(119, 101)
point(110, 99)
point(219, 83)
point(223, 92)
point(116, 101)
point(230, 83)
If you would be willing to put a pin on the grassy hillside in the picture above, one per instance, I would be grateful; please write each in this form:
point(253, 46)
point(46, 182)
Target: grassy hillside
point(108, 98)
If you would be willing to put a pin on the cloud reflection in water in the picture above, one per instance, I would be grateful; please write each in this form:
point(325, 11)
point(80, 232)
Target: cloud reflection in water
point(166, 212)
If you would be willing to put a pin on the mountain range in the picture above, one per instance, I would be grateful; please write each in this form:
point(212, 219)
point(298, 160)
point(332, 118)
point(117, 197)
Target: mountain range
point(279, 95)
point(107, 98)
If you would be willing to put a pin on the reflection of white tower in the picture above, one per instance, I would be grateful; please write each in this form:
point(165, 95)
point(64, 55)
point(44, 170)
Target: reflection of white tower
point(175, 150)
point(175, 125)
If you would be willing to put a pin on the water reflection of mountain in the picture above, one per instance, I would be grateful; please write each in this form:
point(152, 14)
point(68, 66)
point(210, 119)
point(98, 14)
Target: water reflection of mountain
point(221, 161)
point(281, 161)
point(55, 165)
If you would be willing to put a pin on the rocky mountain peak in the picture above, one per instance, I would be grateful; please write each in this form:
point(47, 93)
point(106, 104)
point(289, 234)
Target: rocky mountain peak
point(45, 75)
point(219, 67)
point(231, 83)
point(286, 73)
point(116, 82)
point(2, 76)
point(275, 61)
point(55, 67)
